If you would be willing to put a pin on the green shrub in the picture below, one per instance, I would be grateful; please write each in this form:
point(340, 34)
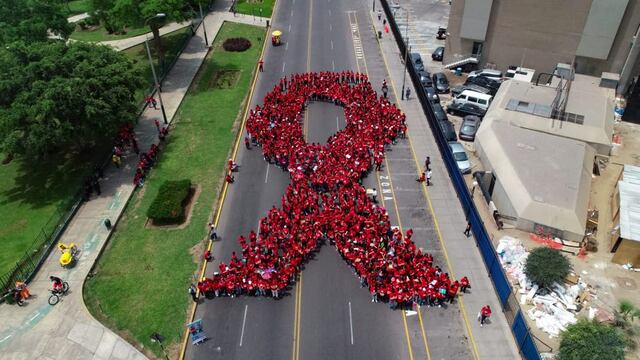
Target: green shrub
point(236, 44)
point(169, 205)
point(545, 265)
point(588, 340)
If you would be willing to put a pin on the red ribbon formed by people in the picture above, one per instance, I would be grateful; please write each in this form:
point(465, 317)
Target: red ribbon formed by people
point(325, 200)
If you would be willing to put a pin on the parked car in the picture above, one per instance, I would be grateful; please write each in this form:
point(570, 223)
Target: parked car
point(432, 95)
point(473, 87)
point(460, 156)
point(439, 112)
point(490, 73)
point(425, 79)
point(438, 54)
point(448, 130)
point(485, 82)
point(469, 127)
point(465, 109)
point(441, 83)
point(416, 60)
point(481, 100)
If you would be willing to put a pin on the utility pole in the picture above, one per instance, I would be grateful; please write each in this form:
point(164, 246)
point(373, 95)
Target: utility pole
point(406, 53)
point(155, 80)
point(204, 27)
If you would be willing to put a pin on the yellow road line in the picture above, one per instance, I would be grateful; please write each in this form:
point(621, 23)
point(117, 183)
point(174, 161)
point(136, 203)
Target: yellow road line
point(425, 193)
point(424, 334)
point(406, 332)
point(295, 323)
point(183, 348)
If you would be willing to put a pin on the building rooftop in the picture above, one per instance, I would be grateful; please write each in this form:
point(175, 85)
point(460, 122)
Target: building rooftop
point(590, 115)
point(547, 178)
point(629, 188)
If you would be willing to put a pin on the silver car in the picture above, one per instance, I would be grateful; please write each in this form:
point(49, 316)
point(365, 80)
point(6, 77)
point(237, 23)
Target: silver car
point(460, 156)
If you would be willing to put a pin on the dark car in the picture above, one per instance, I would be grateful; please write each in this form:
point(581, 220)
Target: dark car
point(416, 60)
point(425, 79)
point(469, 127)
point(484, 82)
point(432, 95)
point(448, 130)
point(465, 109)
point(473, 87)
point(438, 54)
point(439, 112)
point(441, 83)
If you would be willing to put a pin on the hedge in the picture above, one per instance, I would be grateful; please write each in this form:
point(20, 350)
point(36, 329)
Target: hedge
point(169, 205)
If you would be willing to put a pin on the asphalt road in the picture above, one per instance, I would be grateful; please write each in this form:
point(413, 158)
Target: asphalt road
point(327, 315)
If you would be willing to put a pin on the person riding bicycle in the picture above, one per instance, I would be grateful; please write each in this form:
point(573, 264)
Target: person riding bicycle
point(57, 283)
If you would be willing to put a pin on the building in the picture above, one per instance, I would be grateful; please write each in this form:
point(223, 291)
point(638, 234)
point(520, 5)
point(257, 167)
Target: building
point(625, 206)
point(595, 36)
point(538, 158)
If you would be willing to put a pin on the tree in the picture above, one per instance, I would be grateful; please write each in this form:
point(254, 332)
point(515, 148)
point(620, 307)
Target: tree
point(591, 340)
point(624, 318)
point(120, 13)
point(545, 265)
point(32, 20)
point(55, 95)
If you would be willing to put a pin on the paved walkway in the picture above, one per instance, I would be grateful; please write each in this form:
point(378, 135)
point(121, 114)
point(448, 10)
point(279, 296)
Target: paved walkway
point(76, 18)
point(67, 330)
point(493, 341)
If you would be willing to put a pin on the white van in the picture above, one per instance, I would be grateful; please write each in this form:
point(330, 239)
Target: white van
point(490, 73)
point(474, 97)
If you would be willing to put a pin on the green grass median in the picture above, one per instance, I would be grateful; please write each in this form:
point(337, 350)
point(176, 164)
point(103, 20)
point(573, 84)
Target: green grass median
point(262, 8)
point(141, 280)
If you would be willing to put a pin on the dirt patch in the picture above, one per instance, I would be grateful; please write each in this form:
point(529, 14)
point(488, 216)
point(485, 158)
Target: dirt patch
point(191, 200)
point(224, 79)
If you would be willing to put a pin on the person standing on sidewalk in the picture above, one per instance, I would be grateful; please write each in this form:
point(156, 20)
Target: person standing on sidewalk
point(484, 314)
point(467, 230)
point(193, 291)
point(427, 163)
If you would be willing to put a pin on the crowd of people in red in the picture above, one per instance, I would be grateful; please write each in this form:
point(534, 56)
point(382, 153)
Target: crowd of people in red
point(325, 200)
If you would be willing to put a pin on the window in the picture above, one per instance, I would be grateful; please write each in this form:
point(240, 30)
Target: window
point(482, 102)
point(472, 99)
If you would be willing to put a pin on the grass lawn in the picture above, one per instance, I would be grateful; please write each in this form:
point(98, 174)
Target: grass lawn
point(252, 7)
point(142, 278)
point(33, 197)
point(78, 7)
point(100, 34)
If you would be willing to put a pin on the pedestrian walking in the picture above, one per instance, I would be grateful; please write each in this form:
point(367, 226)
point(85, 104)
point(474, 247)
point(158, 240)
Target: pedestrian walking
point(464, 284)
point(407, 93)
point(422, 177)
point(213, 235)
point(374, 194)
point(157, 125)
point(379, 14)
point(427, 163)
point(484, 314)
point(384, 91)
point(261, 65)
point(467, 230)
point(115, 158)
point(193, 291)
point(247, 143)
point(429, 178)
point(384, 22)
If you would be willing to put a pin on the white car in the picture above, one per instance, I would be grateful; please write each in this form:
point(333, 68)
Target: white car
point(460, 156)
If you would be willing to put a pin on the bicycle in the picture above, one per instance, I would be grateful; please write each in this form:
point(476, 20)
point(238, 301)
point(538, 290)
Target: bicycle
point(56, 294)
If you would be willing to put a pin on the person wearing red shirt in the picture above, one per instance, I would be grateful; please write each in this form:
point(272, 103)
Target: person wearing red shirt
point(485, 312)
point(464, 284)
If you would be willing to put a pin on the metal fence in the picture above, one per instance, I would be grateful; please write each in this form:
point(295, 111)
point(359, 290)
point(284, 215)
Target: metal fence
point(29, 264)
point(514, 315)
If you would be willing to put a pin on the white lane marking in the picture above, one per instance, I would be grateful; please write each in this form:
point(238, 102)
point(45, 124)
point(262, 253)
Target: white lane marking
point(350, 322)
point(331, 44)
point(283, 66)
point(337, 124)
point(5, 338)
point(289, 27)
point(329, 12)
point(286, 46)
point(291, 12)
point(330, 27)
point(35, 316)
point(244, 320)
point(333, 65)
point(266, 176)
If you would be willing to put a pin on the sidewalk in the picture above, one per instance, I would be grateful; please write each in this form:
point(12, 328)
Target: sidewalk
point(493, 341)
point(67, 330)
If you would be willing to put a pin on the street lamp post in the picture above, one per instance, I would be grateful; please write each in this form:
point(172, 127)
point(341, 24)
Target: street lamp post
point(155, 337)
point(155, 80)
point(204, 28)
point(374, 5)
point(156, 34)
point(406, 52)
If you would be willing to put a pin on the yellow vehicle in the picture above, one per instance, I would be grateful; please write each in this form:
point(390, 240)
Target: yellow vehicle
point(69, 254)
point(275, 37)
